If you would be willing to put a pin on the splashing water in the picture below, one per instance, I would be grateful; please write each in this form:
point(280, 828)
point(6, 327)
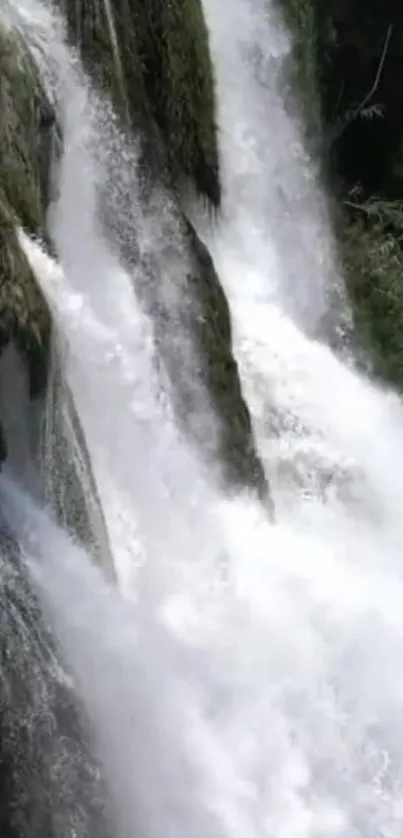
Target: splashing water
point(278, 230)
point(130, 671)
point(256, 689)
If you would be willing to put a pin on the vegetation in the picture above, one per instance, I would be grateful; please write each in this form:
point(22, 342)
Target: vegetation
point(26, 116)
point(350, 68)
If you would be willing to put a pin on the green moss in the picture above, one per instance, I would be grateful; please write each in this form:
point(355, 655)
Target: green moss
point(22, 107)
point(154, 59)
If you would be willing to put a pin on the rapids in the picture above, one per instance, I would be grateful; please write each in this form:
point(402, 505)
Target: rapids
point(243, 678)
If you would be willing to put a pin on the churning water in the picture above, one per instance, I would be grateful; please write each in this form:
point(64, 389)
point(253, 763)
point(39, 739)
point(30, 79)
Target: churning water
point(245, 680)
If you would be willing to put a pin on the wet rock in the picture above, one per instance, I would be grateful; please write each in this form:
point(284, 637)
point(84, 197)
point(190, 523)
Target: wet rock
point(237, 451)
point(26, 116)
point(27, 126)
point(154, 60)
point(50, 783)
point(24, 314)
point(67, 481)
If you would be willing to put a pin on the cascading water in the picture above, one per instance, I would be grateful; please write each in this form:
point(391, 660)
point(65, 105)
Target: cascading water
point(255, 690)
point(278, 228)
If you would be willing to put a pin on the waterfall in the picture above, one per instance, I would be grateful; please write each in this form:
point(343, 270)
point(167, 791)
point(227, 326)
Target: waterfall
point(242, 677)
point(278, 224)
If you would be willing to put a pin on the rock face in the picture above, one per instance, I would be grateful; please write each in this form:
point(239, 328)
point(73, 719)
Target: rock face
point(26, 121)
point(61, 456)
point(236, 449)
point(24, 315)
point(301, 17)
point(154, 59)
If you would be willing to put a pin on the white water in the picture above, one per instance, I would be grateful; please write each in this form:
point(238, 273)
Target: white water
point(283, 700)
point(278, 228)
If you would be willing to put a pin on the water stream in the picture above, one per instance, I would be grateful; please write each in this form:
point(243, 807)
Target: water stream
point(243, 678)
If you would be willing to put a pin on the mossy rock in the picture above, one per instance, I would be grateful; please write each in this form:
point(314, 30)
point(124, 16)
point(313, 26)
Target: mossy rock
point(26, 118)
point(24, 313)
point(154, 59)
point(181, 90)
point(237, 452)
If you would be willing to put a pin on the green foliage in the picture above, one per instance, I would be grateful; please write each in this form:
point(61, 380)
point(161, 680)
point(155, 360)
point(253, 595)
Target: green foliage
point(154, 58)
point(372, 249)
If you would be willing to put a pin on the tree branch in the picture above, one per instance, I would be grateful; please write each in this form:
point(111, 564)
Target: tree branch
point(338, 130)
